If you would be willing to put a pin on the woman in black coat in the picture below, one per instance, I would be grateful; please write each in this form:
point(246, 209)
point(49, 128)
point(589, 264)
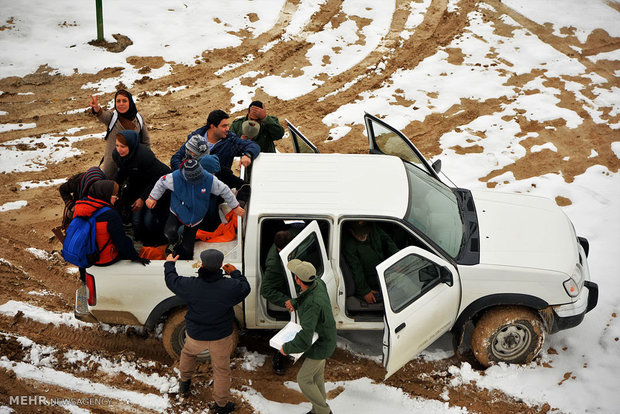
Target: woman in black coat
point(139, 169)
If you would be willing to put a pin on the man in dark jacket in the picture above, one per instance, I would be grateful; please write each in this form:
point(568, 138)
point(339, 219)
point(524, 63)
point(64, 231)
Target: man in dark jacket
point(226, 146)
point(209, 320)
point(269, 127)
point(315, 314)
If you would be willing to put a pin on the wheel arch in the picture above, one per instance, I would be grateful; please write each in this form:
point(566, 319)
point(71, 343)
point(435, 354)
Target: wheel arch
point(474, 310)
point(163, 308)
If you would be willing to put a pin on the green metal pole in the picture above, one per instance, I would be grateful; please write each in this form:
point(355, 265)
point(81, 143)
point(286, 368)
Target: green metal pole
point(99, 7)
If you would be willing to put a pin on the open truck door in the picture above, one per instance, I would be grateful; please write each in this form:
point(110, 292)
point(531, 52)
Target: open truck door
point(308, 246)
point(384, 139)
point(421, 294)
point(301, 144)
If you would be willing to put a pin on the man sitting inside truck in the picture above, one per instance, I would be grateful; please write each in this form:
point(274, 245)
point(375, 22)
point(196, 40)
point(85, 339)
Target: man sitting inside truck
point(364, 246)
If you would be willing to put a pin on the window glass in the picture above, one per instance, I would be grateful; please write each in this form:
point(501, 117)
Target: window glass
point(408, 279)
point(300, 143)
point(389, 142)
point(309, 250)
point(434, 210)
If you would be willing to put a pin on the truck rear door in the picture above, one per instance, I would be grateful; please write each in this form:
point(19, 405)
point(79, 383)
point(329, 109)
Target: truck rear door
point(308, 246)
point(421, 294)
point(301, 144)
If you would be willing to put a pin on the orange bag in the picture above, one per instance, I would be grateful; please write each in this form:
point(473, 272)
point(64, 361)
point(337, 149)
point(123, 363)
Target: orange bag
point(154, 252)
point(225, 232)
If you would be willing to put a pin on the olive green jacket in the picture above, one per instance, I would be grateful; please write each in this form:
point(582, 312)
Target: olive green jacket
point(315, 315)
point(363, 257)
point(270, 130)
point(274, 286)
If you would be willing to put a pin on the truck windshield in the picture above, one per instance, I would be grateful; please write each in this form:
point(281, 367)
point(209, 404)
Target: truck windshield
point(434, 210)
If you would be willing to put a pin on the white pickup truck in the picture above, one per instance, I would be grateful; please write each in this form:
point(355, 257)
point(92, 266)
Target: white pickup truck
point(507, 268)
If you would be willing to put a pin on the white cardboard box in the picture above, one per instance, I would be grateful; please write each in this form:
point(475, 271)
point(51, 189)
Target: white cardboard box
point(287, 334)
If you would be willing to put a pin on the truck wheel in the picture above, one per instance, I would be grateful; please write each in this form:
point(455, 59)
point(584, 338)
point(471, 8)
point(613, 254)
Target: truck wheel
point(173, 336)
point(510, 334)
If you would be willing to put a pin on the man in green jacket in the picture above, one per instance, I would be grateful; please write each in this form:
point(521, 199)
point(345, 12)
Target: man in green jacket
point(269, 127)
point(364, 246)
point(274, 286)
point(315, 314)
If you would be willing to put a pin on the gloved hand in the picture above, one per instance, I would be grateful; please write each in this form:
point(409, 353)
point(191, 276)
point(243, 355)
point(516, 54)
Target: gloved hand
point(142, 260)
point(228, 268)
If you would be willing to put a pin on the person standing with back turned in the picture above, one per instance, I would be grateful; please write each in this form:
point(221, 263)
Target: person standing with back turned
point(315, 314)
point(209, 320)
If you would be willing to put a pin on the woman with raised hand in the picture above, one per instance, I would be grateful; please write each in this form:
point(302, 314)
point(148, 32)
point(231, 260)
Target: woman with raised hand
point(125, 116)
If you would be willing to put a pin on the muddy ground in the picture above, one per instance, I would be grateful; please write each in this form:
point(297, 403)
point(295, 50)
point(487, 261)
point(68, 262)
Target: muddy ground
point(172, 116)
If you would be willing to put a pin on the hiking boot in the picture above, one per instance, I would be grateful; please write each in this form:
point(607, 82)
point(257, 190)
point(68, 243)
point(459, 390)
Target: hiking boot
point(228, 408)
point(278, 362)
point(184, 387)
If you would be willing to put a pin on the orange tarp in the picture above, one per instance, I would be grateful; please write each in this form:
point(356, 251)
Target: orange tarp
point(153, 252)
point(225, 232)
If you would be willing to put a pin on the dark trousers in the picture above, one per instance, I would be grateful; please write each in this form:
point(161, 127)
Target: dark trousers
point(186, 249)
point(231, 180)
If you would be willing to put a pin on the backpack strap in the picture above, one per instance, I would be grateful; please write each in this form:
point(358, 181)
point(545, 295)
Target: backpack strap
point(94, 217)
point(140, 121)
point(115, 118)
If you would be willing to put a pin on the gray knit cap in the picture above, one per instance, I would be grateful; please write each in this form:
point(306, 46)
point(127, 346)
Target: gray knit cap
point(197, 145)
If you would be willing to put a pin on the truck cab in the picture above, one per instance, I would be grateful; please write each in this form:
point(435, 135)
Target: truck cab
point(508, 266)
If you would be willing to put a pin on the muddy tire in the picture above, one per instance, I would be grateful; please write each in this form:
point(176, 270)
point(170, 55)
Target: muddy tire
point(510, 334)
point(173, 336)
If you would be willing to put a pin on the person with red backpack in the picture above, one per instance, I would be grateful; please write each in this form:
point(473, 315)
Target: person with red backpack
point(124, 116)
point(75, 188)
point(112, 242)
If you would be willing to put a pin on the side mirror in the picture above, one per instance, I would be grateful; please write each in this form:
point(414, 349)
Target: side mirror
point(437, 166)
point(445, 276)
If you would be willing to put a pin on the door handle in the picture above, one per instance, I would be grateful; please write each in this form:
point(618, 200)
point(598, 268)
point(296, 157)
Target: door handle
point(399, 327)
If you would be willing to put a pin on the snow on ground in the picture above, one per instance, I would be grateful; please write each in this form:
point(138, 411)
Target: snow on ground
point(360, 396)
point(583, 369)
point(13, 205)
point(33, 153)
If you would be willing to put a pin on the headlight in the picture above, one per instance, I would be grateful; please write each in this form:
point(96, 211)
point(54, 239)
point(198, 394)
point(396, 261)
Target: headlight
point(574, 284)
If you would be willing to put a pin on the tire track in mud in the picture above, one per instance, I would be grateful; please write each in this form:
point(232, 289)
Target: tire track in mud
point(95, 339)
point(562, 45)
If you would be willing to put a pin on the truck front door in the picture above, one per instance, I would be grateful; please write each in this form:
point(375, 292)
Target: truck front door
point(421, 294)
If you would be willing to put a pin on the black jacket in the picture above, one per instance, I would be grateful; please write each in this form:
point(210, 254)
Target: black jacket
point(210, 300)
point(140, 168)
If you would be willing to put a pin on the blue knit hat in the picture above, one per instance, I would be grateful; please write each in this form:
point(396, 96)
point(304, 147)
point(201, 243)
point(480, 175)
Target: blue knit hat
point(192, 171)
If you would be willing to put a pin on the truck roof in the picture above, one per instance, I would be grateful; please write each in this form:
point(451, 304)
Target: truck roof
point(335, 184)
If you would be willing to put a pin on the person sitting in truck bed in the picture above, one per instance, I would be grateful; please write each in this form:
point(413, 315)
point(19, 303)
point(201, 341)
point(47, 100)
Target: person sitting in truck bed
point(191, 188)
point(75, 188)
point(364, 246)
point(226, 145)
point(139, 168)
point(110, 236)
